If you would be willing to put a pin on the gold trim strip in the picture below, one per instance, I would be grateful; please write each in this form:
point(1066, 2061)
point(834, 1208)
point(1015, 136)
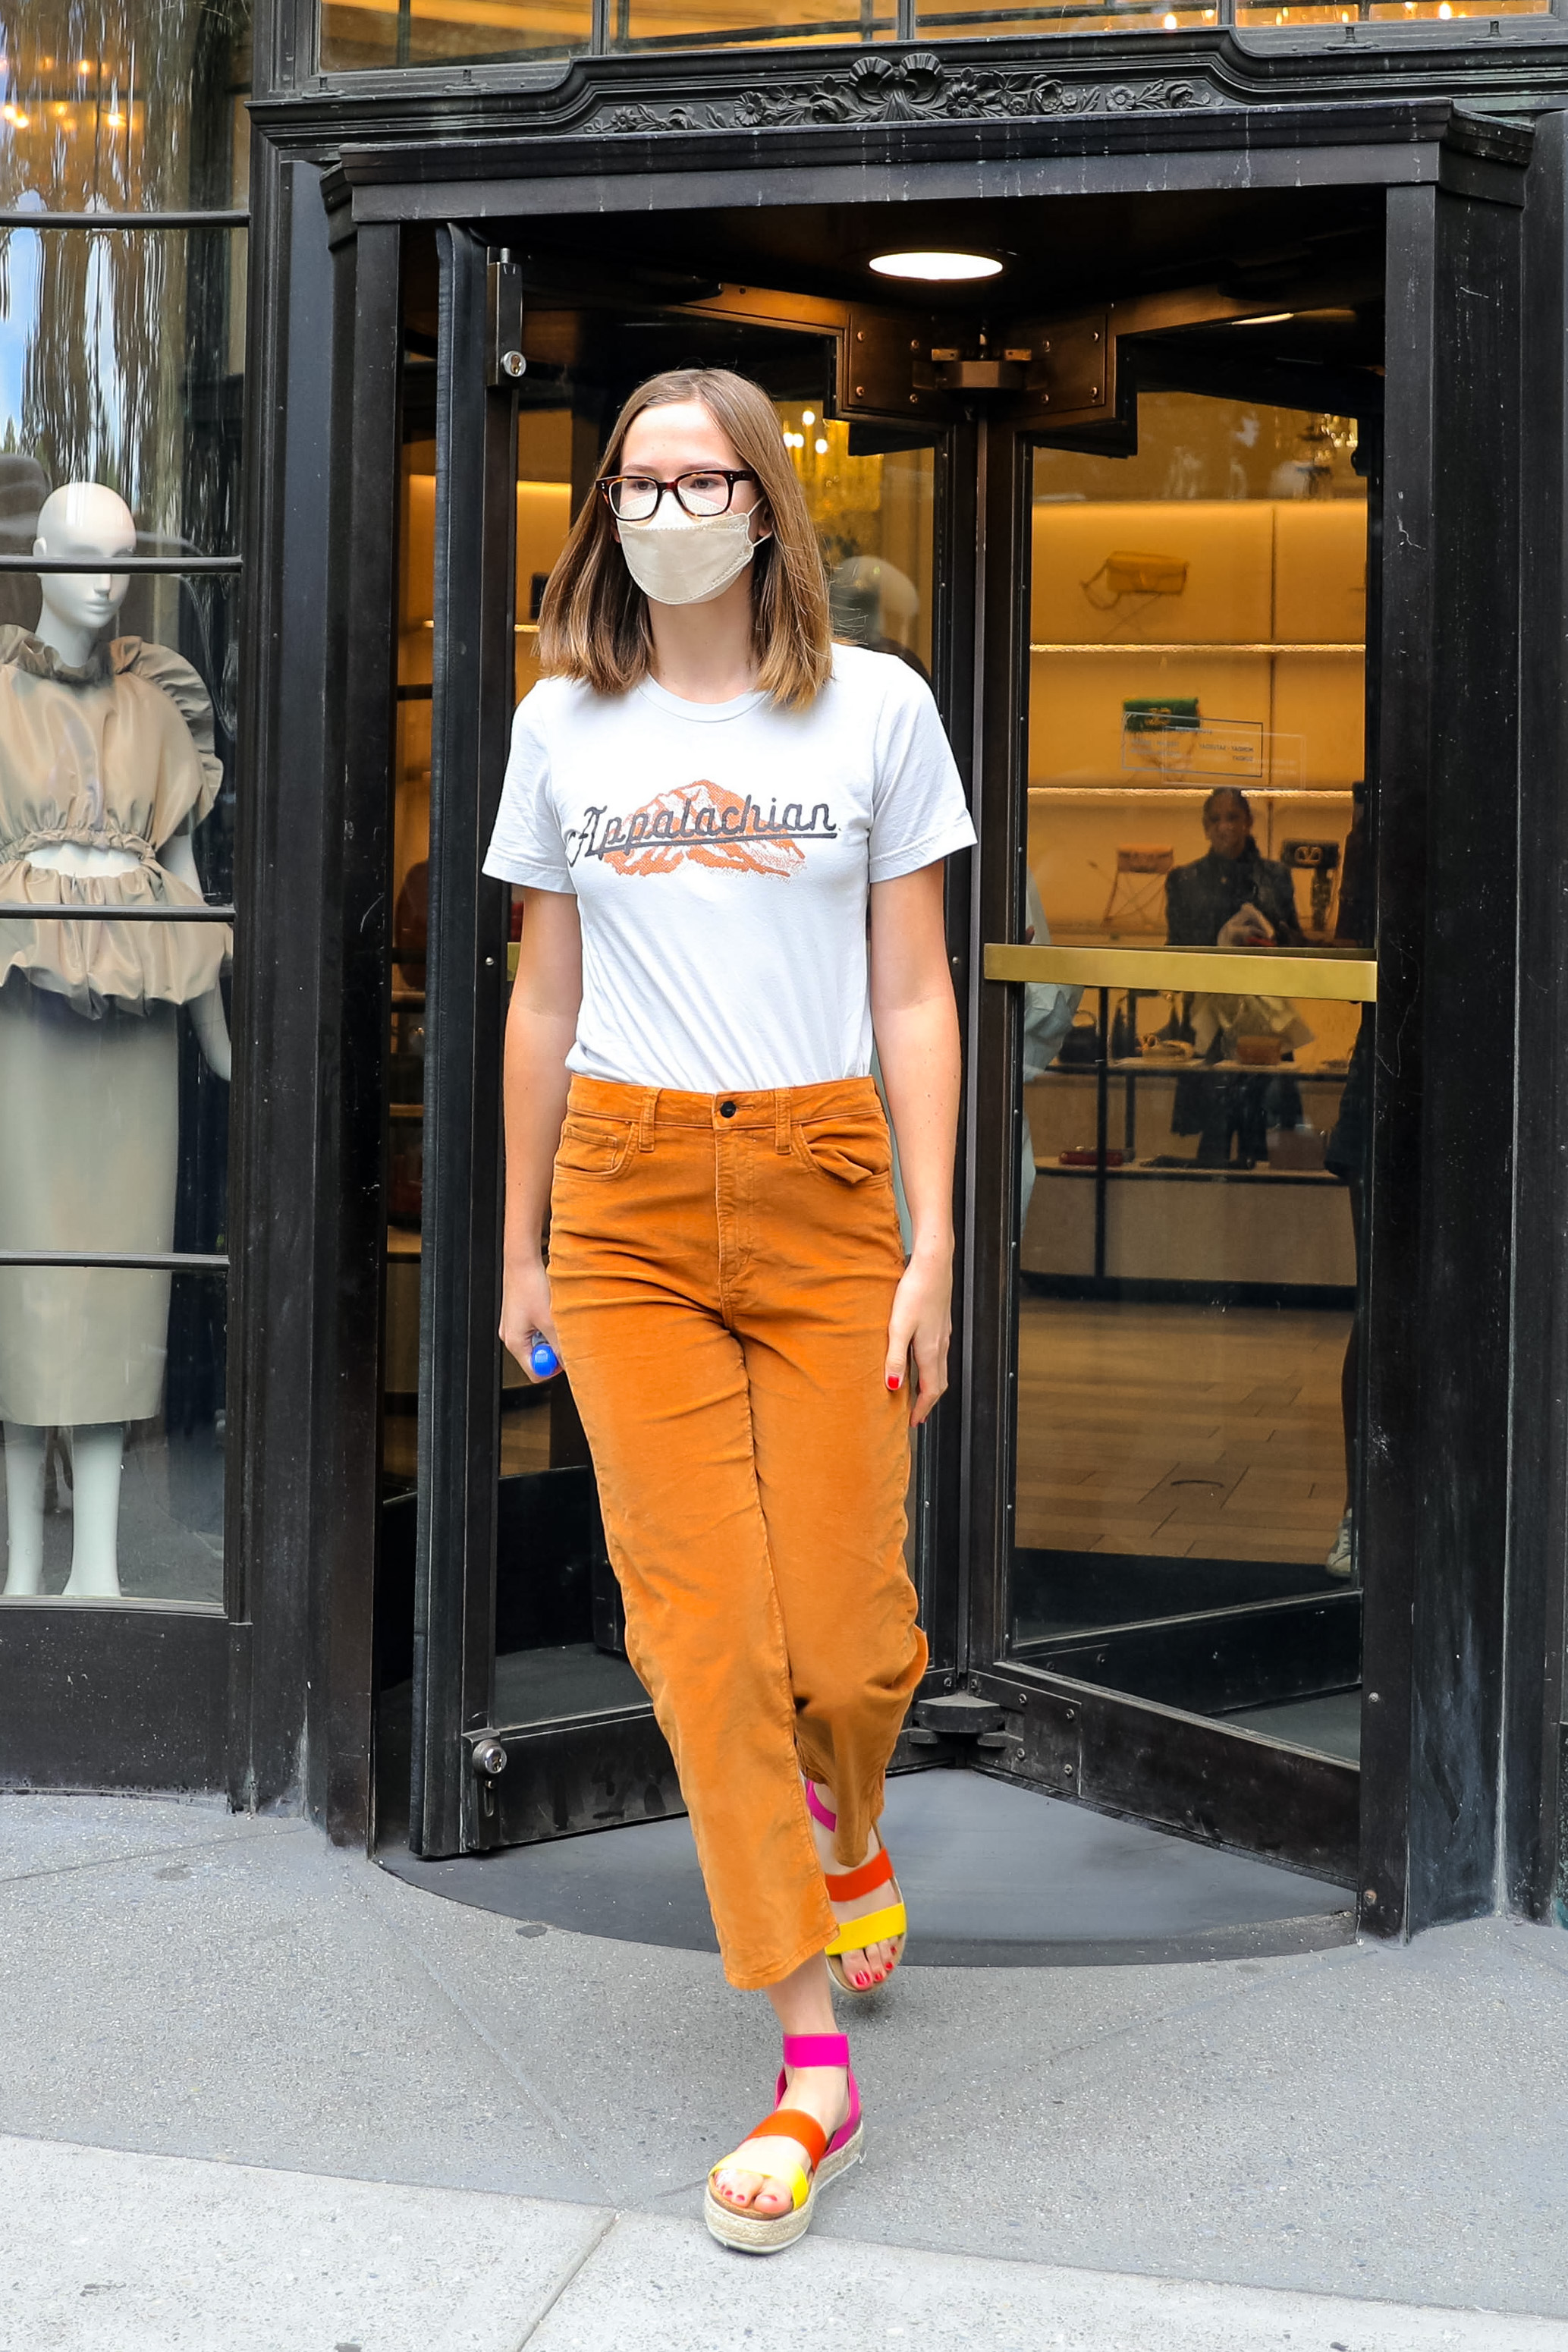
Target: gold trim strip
point(1227, 972)
point(1199, 647)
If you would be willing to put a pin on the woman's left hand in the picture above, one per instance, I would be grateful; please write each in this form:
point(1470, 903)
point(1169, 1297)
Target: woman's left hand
point(921, 1324)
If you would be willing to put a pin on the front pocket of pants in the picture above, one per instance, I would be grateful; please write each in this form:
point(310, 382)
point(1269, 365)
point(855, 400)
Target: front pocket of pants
point(851, 1151)
point(592, 1146)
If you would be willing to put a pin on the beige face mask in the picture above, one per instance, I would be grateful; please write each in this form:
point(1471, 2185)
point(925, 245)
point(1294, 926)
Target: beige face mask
point(681, 559)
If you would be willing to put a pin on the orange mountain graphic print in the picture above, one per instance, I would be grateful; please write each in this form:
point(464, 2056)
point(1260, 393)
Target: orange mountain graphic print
point(709, 826)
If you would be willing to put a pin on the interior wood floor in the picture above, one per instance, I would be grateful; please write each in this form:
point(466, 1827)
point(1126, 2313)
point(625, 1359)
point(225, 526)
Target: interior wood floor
point(525, 1441)
point(1202, 1432)
point(1212, 1432)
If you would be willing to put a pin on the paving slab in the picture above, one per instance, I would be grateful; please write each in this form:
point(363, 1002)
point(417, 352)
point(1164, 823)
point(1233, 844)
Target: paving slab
point(244, 1999)
point(663, 2282)
point(110, 2252)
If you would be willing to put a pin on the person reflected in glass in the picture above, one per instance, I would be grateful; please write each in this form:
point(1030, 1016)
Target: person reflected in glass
point(704, 798)
point(1233, 897)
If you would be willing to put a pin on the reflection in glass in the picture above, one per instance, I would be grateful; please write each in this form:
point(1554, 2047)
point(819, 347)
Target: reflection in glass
point(363, 36)
point(874, 520)
point(113, 1470)
point(130, 106)
point(120, 362)
point(1386, 12)
point(715, 24)
point(1189, 1235)
point(1198, 614)
point(944, 22)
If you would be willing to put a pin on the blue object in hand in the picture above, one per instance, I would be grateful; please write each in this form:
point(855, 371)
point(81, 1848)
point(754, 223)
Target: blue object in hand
point(542, 1358)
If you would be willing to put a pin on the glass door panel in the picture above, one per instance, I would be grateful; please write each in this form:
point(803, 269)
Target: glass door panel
point(551, 1732)
point(1188, 1262)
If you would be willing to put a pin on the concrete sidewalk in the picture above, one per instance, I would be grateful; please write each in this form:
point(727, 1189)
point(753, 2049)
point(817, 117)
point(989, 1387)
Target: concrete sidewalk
point(1049, 2149)
point(157, 2254)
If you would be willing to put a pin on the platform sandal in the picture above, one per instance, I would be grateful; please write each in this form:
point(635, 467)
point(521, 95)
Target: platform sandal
point(845, 1886)
point(767, 2233)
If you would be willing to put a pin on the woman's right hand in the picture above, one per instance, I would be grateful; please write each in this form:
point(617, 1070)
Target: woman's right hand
point(525, 1310)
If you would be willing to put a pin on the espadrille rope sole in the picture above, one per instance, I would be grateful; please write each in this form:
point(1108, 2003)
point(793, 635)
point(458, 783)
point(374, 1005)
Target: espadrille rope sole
point(768, 2233)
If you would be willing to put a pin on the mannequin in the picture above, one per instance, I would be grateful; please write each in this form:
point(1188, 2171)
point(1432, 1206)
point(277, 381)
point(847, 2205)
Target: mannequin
point(105, 767)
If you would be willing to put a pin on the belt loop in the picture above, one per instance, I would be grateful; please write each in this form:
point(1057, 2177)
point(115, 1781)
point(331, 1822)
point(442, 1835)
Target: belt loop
point(780, 1118)
point(650, 1113)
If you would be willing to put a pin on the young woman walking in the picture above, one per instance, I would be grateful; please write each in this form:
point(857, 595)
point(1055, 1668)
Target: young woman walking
point(702, 802)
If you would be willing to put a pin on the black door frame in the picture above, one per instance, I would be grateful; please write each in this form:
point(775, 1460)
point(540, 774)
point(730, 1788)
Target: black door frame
point(479, 1781)
point(1455, 188)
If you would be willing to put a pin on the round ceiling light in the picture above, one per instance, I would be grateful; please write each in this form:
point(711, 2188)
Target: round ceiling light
point(937, 268)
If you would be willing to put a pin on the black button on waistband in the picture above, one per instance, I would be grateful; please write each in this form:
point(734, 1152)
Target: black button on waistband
point(727, 1111)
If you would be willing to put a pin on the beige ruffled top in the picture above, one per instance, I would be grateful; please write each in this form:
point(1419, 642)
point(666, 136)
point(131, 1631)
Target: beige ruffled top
point(113, 755)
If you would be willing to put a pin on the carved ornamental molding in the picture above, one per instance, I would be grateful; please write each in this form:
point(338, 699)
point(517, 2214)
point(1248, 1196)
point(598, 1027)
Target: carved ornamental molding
point(916, 89)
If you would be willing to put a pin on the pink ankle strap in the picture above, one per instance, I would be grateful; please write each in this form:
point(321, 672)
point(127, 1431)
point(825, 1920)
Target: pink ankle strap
point(817, 1810)
point(816, 2049)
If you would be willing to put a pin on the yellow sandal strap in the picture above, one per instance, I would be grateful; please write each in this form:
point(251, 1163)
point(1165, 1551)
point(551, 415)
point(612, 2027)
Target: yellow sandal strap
point(789, 2170)
point(791, 2125)
point(871, 1928)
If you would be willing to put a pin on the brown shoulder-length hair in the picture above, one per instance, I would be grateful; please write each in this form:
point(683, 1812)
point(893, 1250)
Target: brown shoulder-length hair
point(593, 623)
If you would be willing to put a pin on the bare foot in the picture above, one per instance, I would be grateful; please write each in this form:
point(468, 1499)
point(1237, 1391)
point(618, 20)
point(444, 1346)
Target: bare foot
point(875, 1963)
point(821, 2091)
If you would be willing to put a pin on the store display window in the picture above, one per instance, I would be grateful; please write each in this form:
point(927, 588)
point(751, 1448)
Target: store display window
point(121, 355)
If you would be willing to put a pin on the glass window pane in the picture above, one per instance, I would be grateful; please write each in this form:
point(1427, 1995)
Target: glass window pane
point(1387, 12)
point(1191, 1156)
point(121, 357)
point(127, 1503)
point(559, 1634)
point(1186, 1378)
point(361, 35)
point(138, 107)
point(875, 517)
point(365, 35)
point(729, 23)
point(943, 22)
point(115, 792)
point(1217, 577)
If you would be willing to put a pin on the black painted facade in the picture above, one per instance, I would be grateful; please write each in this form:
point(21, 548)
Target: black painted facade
point(1441, 158)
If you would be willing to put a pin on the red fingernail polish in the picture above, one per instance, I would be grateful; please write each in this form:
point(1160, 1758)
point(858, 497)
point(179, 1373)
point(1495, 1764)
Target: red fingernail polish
point(896, 1380)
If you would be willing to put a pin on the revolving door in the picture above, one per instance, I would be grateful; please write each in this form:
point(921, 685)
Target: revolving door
point(1134, 544)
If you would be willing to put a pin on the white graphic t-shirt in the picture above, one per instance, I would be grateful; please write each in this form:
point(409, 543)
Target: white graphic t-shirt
point(721, 854)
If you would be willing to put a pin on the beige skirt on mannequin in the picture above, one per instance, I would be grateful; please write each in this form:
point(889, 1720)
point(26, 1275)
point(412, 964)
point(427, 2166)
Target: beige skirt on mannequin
point(89, 1134)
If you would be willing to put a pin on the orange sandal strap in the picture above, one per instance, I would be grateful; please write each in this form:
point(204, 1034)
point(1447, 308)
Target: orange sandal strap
point(793, 2123)
point(848, 1885)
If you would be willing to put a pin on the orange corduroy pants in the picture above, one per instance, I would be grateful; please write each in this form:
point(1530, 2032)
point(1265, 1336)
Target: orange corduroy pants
point(722, 1268)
